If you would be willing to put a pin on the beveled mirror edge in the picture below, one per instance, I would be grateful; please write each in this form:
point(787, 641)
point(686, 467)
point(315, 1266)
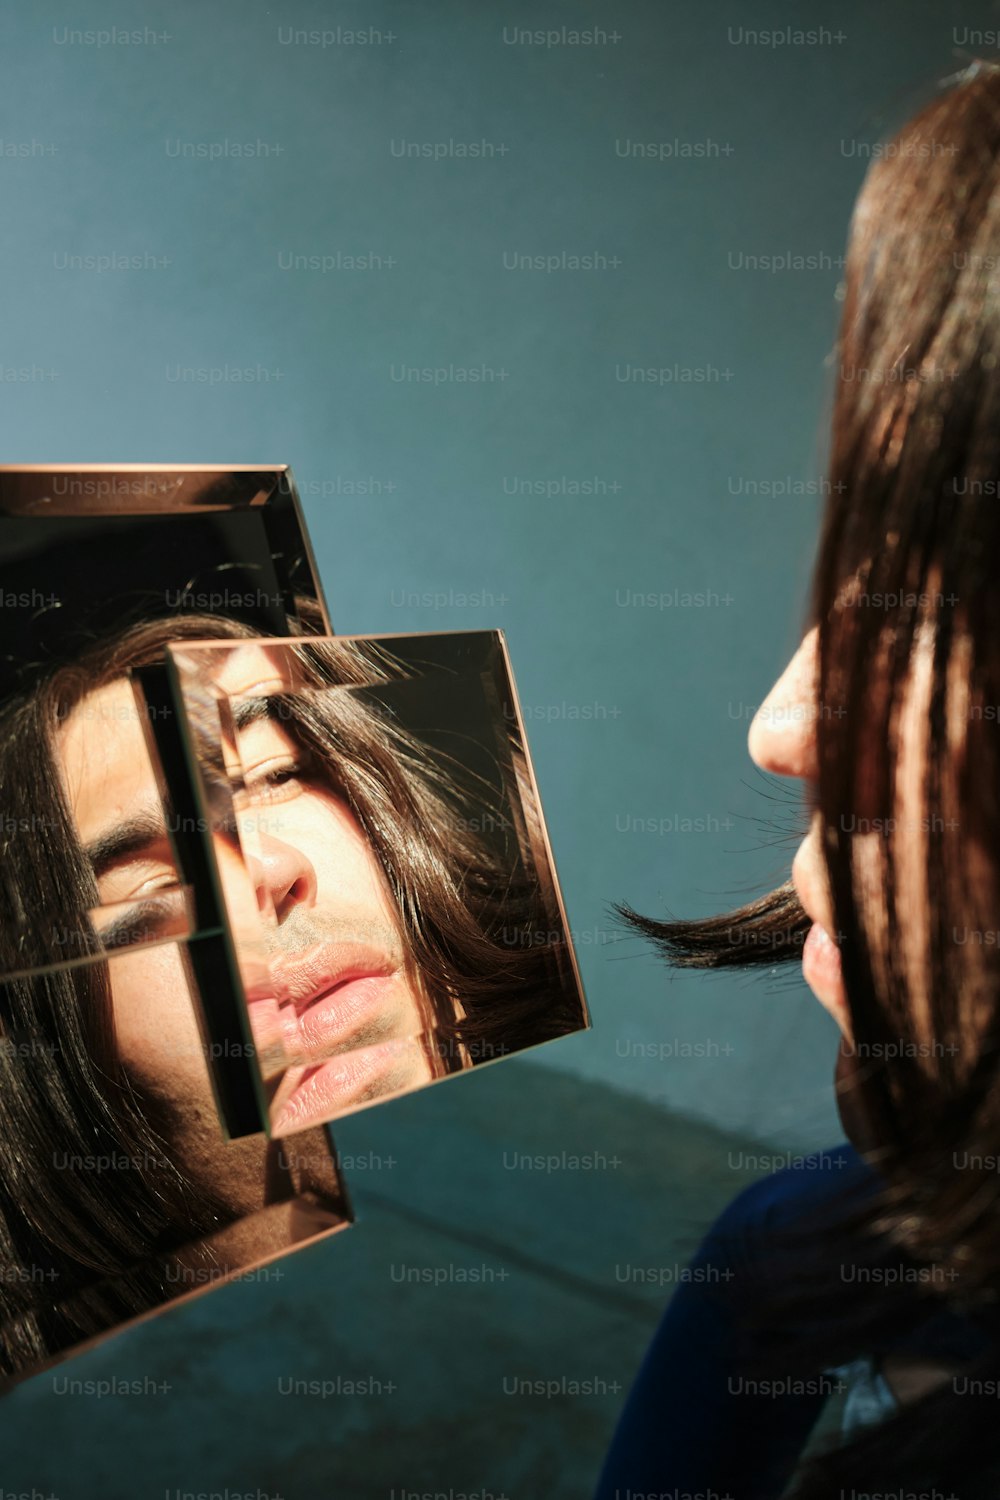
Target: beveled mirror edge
point(63, 1356)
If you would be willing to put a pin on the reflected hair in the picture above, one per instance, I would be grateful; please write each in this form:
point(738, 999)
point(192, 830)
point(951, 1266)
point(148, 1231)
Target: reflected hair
point(93, 1200)
point(458, 849)
point(81, 1249)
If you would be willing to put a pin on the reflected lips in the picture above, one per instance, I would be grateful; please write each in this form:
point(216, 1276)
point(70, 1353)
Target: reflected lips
point(334, 991)
point(342, 1082)
point(334, 1004)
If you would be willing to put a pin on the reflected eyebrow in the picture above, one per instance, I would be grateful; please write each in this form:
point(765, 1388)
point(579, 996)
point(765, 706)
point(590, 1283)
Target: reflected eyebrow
point(132, 836)
point(247, 711)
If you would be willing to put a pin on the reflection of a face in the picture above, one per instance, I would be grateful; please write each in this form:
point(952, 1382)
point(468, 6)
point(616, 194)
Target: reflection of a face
point(329, 982)
point(120, 820)
point(307, 894)
point(111, 791)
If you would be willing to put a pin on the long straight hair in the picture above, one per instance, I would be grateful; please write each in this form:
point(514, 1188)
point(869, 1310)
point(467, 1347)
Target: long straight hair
point(906, 599)
point(480, 922)
point(94, 1197)
point(81, 1250)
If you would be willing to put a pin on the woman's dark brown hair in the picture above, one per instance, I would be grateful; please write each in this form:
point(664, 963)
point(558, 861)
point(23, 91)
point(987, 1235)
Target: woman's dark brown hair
point(908, 571)
point(458, 847)
point(82, 1246)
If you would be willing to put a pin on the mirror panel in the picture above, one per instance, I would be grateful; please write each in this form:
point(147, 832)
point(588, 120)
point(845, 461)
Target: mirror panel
point(98, 568)
point(382, 859)
point(119, 1194)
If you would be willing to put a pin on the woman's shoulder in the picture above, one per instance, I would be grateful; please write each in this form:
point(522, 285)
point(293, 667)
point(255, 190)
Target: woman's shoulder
point(806, 1181)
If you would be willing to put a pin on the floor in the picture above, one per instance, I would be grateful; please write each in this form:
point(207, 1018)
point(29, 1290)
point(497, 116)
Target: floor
point(472, 1335)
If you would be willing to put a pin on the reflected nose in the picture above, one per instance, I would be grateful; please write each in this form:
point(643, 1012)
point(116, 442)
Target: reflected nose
point(283, 877)
point(782, 737)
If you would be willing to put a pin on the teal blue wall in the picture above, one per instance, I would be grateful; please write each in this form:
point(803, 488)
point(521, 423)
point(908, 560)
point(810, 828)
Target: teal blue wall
point(668, 689)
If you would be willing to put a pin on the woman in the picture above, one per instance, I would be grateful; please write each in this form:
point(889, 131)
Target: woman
point(883, 1257)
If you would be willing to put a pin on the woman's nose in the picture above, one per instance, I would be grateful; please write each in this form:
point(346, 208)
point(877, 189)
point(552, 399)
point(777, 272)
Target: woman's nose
point(283, 876)
point(782, 737)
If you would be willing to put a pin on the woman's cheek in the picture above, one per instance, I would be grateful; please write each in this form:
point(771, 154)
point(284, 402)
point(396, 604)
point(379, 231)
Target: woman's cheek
point(156, 1031)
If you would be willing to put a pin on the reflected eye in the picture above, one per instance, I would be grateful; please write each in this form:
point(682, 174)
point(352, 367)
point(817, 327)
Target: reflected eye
point(274, 781)
point(155, 885)
point(148, 916)
point(274, 766)
point(142, 877)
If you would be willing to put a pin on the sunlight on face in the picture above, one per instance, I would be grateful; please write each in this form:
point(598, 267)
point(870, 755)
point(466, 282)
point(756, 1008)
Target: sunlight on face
point(339, 977)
